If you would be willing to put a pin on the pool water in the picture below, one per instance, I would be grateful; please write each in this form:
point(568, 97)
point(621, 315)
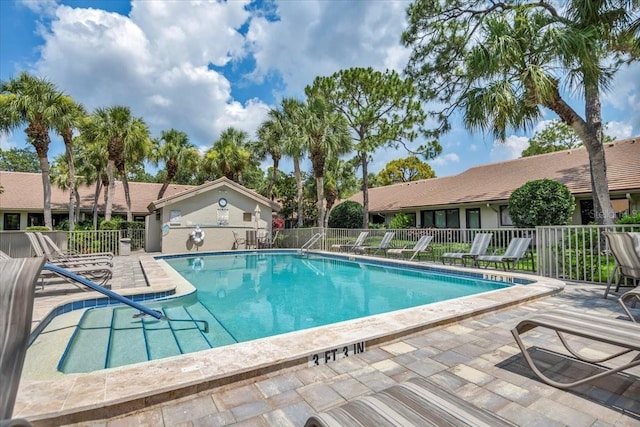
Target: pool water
point(244, 296)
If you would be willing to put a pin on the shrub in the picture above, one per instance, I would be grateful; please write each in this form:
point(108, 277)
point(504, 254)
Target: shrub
point(541, 202)
point(401, 220)
point(38, 228)
point(346, 215)
point(630, 219)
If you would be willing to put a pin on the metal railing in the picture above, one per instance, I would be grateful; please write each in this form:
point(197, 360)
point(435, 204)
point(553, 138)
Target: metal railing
point(16, 244)
point(572, 253)
point(576, 253)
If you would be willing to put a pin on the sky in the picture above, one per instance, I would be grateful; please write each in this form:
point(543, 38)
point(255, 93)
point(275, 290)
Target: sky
point(203, 66)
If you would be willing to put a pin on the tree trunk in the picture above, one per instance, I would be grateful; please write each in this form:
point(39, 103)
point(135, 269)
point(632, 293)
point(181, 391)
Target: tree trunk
point(274, 176)
point(67, 137)
point(604, 213)
point(320, 194)
point(164, 187)
point(46, 186)
point(111, 191)
point(365, 190)
point(127, 196)
point(590, 132)
point(77, 214)
point(298, 176)
point(96, 197)
point(39, 137)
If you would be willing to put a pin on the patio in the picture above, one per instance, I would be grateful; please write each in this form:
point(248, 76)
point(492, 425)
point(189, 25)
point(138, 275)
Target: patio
point(476, 359)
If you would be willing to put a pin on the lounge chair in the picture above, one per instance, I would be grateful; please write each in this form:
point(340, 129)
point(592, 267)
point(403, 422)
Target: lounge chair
point(478, 247)
point(516, 250)
point(238, 241)
point(264, 242)
point(384, 245)
point(630, 298)
point(98, 271)
point(421, 245)
point(41, 247)
point(625, 248)
point(349, 246)
point(416, 402)
point(619, 333)
point(51, 247)
point(19, 276)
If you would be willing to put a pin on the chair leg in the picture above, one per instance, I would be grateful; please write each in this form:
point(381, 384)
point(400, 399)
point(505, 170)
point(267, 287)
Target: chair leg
point(610, 281)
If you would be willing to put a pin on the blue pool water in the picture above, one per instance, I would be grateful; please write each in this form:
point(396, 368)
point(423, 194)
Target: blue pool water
point(245, 296)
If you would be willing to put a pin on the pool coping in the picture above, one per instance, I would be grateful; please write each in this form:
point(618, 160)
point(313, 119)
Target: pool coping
point(111, 392)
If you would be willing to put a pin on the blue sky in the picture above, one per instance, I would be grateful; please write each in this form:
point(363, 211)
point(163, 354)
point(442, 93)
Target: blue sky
point(201, 66)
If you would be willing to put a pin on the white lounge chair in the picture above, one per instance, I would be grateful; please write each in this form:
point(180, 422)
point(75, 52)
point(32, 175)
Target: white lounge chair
point(349, 246)
point(620, 333)
point(384, 245)
point(630, 298)
point(478, 247)
point(421, 245)
point(19, 276)
point(515, 251)
point(416, 402)
point(626, 252)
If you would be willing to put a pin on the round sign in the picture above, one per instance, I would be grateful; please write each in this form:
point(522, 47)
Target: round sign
point(222, 202)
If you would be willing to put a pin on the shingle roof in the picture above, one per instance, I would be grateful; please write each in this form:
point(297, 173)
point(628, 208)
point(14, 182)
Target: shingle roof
point(23, 192)
point(496, 181)
point(208, 186)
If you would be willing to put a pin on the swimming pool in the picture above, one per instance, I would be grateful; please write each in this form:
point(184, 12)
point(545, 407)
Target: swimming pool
point(243, 296)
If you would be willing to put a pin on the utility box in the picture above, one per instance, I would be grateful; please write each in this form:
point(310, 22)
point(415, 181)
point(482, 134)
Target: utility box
point(125, 247)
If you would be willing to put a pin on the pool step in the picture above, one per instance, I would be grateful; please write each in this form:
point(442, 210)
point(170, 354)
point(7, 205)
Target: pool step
point(189, 335)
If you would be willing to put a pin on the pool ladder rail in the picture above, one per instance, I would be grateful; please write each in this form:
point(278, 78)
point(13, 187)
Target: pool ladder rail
point(143, 311)
point(205, 324)
point(309, 243)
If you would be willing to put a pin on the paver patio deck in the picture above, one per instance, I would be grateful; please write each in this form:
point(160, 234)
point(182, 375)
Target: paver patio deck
point(476, 359)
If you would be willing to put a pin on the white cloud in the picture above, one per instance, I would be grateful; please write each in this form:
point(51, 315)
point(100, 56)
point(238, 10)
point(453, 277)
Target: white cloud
point(43, 7)
point(157, 61)
point(316, 38)
point(7, 142)
point(510, 148)
point(619, 130)
point(445, 159)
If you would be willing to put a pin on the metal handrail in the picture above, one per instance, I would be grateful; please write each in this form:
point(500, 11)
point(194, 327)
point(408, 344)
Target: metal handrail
point(312, 241)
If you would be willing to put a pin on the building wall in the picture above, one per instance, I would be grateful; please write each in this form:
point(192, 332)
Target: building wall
point(203, 210)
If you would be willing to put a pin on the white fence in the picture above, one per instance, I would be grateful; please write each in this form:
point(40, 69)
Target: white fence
point(572, 253)
point(16, 244)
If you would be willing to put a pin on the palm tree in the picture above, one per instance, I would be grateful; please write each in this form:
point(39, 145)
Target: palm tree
point(294, 147)
point(38, 103)
point(229, 155)
point(128, 142)
point(326, 135)
point(72, 116)
point(93, 169)
point(176, 152)
point(270, 136)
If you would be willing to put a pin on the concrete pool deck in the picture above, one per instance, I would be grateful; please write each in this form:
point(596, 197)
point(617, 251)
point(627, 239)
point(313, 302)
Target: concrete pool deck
point(267, 382)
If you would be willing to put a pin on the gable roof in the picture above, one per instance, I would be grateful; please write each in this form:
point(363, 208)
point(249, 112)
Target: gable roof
point(23, 192)
point(496, 181)
point(208, 186)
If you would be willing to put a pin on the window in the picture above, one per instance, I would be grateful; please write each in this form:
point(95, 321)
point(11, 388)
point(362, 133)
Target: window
point(175, 217)
point(443, 218)
point(505, 218)
point(12, 221)
point(247, 217)
point(587, 213)
point(35, 219)
point(473, 218)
